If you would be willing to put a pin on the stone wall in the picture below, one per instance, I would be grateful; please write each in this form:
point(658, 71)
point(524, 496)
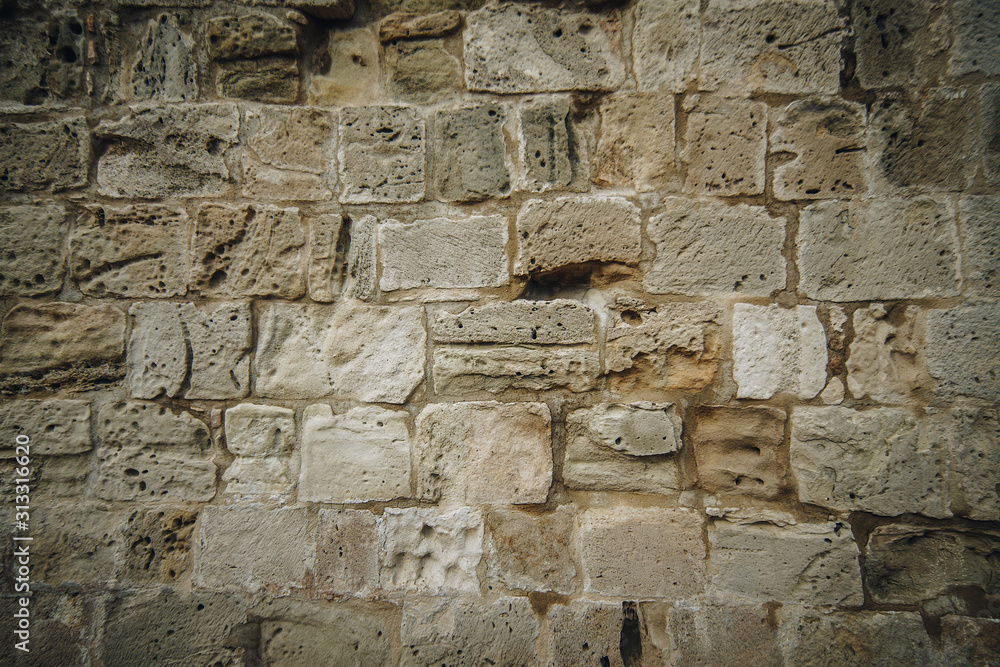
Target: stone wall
point(450, 332)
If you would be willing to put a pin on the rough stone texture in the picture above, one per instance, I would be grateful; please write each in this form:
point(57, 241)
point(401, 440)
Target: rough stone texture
point(288, 151)
point(62, 620)
point(981, 240)
point(976, 38)
point(58, 477)
point(262, 477)
point(74, 542)
point(484, 452)
point(738, 450)
point(459, 369)
point(261, 437)
point(359, 273)
point(410, 25)
point(325, 273)
point(882, 362)
point(331, 10)
point(304, 634)
point(165, 68)
point(961, 350)
point(725, 146)
point(432, 552)
point(974, 443)
point(531, 553)
point(360, 456)
point(44, 155)
point(375, 353)
point(648, 552)
point(521, 322)
point(179, 350)
point(159, 544)
point(422, 70)
point(44, 336)
point(524, 49)
point(56, 427)
point(854, 639)
point(636, 146)
point(887, 41)
point(381, 155)
point(704, 247)
point(470, 160)
point(32, 254)
point(721, 635)
point(131, 251)
point(665, 42)
point(347, 544)
point(778, 350)
point(249, 36)
point(970, 641)
point(48, 64)
point(265, 80)
point(549, 146)
point(354, 75)
point(873, 461)
point(444, 253)
point(989, 101)
point(572, 230)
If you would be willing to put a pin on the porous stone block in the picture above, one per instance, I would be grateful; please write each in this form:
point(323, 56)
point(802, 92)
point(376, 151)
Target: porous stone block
point(263, 80)
point(716, 634)
point(724, 146)
point(887, 41)
point(643, 552)
point(259, 430)
point(50, 154)
point(882, 363)
point(484, 452)
point(778, 350)
point(422, 70)
point(585, 633)
point(666, 38)
point(969, 641)
point(636, 146)
point(159, 540)
point(55, 427)
point(306, 633)
point(705, 247)
point(444, 253)
point(179, 350)
point(981, 244)
point(250, 36)
point(137, 251)
point(459, 369)
point(470, 159)
point(354, 75)
point(857, 638)
point(75, 541)
point(549, 148)
point(962, 346)
point(873, 461)
point(45, 336)
point(60, 477)
point(529, 552)
point(973, 439)
point(411, 25)
point(288, 151)
point(381, 155)
point(738, 450)
point(375, 353)
point(514, 48)
point(45, 61)
point(347, 548)
point(165, 69)
point(976, 38)
point(574, 230)
point(520, 322)
point(32, 254)
point(356, 457)
point(431, 552)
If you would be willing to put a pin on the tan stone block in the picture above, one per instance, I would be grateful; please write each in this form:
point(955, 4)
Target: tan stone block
point(974, 443)
point(159, 543)
point(708, 634)
point(354, 74)
point(347, 552)
point(259, 476)
point(551, 148)
point(41, 337)
point(54, 427)
point(32, 255)
point(52, 154)
point(970, 641)
point(410, 25)
point(520, 322)
point(288, 152)
point(423, 70)
point(854, 639)
point(381, 155)
point(259, 430)
point(470, 156)
point(883, 355)
point(666, 39)
point(295, 633)
point(724, 146)
point(636, 146)
point(459, 369)
point(585, 633)
point(532, 553)
point(890, 41)
point(975, 44)
point(738, 450)
point(980, 240)
point(962, 347)
point(427, 551)
point(250, 36)
point(165, 68)
point(75, 541)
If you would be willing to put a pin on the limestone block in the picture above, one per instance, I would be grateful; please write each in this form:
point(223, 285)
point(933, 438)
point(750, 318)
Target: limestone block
point(326, 253)
point(167, 151)
point(424, 6)
point(722, 635)
point(263, 476)
point(772, 46)
point(643, 552)
point(264, 80)
point(459, 369)
point(531, 553)
point(165, 69)
point(962, 350)
point(444, 253)
point(359, 274)
point(724, 146)
point(254, 549)
point(40, 337)
point(665, 44)
point(55, 427)
point(259, 430)
point(585, 633)
point(969, 641)
point(357, 457)
point(381, 155)
point(60, 477)
point(52, 154)
point(551, 152)
point(887, 41)
point(373, 352)
point(431, 552)
point(704, 247)
point(470, 158)
point(738, 450)
point(347, 548)
point(573, 230)
point(873, 461)
point(137, 251)
point(974, 443)
point(636, 147)
point(47, 56)
point(975, 43)
point(777, 350)
point(981, 240)
point(484, 452)
point(809, 563)
point(410, 25)
point(354, 75)
point(526, 49)
point(250, 36)
point(179, 350)
point(989, 101)
point(159, 543)
point(854, 639)
point(422, 70)
point(305, 634)
point(32, 254)
point(520, 322)
point(623, 447)
point(288, 151)
point(882, 362)
point(74, 541)
point(147, 453)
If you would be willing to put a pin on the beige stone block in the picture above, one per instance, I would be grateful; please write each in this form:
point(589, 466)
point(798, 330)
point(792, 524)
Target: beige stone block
point(883, 362)
point(636, 146)
point(423, 70)
point(41, 337)
point(288, 152)
point(470, 153)
point(430, 552)
point(532, 552)
point(52, 154)
point(855, 639)
point(165, 68)
point(347, 552)
point(259, 430)
point(969, 641)
point(159, 542)
point(975, 42)
point(32, 255)
point(724, 146)
point(250, 36)
point(739, 450)
point(54, 427)
point(716, 634)
point(962, 346)
point(355, 73)
point(380, 155)
point(459, 369)
point(298, 633)
point(551, 148)
point(666, 39)
point(973, 440)
point(890, 41)
point(274, 79)
point(75, 541)
point(520, 322)
point(585, 633)
point(259, 476)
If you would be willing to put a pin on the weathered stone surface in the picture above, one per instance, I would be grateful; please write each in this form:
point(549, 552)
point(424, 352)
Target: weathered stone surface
point(556, 322)
point(409, 25)
point(424, 6)
point(55, 427)
point(288, 150)
point(484, 452)
point(259, 430)
point(39, 337)
point(45, 58)
point(961, 347)
point(623, 447)
point(529, 552)
point(772, 46)
point(60, 626)
point(59, 477)
point(266, 476)
point(74, 542)
point(855, 639)
point(52, 154)
point(444, 253)
point(381, 155)
point(549, 148)
point(777, 350)
point(325, 275)
point(179, 350)
point(976, 41)
point(306, 634)
point(167, 151)
point(148, 453)
point(331, 10)
point(738, 450)
point(432, 552)
point(574, 230)
point(887, 41)
point(158, 541)
point(137, 251)
point(725, 146)
point(647, 552)
point(974, 444)
point(636, 146)
point(250, 36)
point(265, 80)
point(705, 247)
point(165, 68)
point(873, 461)
point(32, 254)
point(422, 70)
point(459, 369)
point(360, 269)
point(981, 240)
point(354, 75)
point(665, 44)
point(356, 457)
point(470, 154)
point(376, 353)
point(989, 101)
point(970, 641)
point(719, 635)
point(882, 362)
point(527, 49)
point(585, 633)
point(347, 547)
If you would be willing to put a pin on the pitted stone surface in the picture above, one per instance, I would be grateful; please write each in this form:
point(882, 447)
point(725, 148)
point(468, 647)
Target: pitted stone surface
point(410, 25)
point(347, 548)
point(470, 155)
point(51, 154)
point(38, 337)
point(325, 274)
point(636, 147)
point(738, 450)
point(777, 350)
point(160, 544)
point(858, 638)
point(49, 59)
point(259, 430)
point(665, 43)
point(297, 633)
point(725, 146)
point(432, 552)
point(549, 147)
point(989, 105)
point(976, 38)
point(55, 427)
point(32, 253)
point(354, 75)
point(74, 542)
point(585, 633)
point(381, 155)
point(263, 477)
point(973, 437)
point(529, 552)
point(165, 69)
point(460, 369)
point(883, 355)
point(288, 151)
point(706, 634)
point(962, 350)
point(249, 36)
point(521, 322)
point(981, 244)
point(887, 41)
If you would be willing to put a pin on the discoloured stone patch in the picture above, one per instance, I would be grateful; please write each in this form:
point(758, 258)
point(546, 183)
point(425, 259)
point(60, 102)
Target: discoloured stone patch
point(738, 450)
point(40, 337)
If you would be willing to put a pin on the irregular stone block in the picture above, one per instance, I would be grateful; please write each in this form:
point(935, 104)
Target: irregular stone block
point(556, 322)
point(549, 148)
point(179, 350)
point(531, 553)
point(376, 353)
point(778, 350)
point(981, 238)
point(32, 256)
point(46, 62)
point(60, 477)
point(135, 251)
point(55, 427)
point(74, 542)
point(643, 552)
point(424, 6)
point(356, 457)
point(326, 256)
point(974, 443)
point(527, 49)
point(360, 269)
point(259, 430)
point(159, 544)
point(265, 80)
point(962, 350)
point(636, 147)
point(573, 230)
point(288, 151)
point(381, 155)
point(738, 450)
point(666, 39)
point(53, 154)
point(585, 633)
point(409, 25)
point(347, 548)
point(470, 153)
point(970, 641)
point(484, 452)
point(41, 337)
point(147, 453)
point(882, 362)
point(705, 246)
point(460, 369)
point(165, 69)
point(976, 43)
point(432, 552)
point(855, 639)
point(772, 46)
point(725, 146)
point(354, 75)
point(444, 253)
point(709, 634)
point(887, 41)
point(250, 36)
point(167, 151)
point(423, 70)
point(300, 634)
point(872, 461)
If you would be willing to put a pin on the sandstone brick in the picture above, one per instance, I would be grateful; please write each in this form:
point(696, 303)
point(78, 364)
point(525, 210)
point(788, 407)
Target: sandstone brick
point(250, 36)
point(887, 41)
point(974, 445)
point(738, 450)
point(459, 369)
point(32, 256)
point(288, 151)
point(75, 542)
point(858, 638)
point(969, 641)
point(516, 49)
point(422, 70)
point(981, 238)
point(444, 253)
point(975, 42)
point(41, 337)
point(777, 350)
point(48, 65)
point(531, 553)
point(324, 274)
point(410, 25)
point(159, 541)
point(550, 149)
point(484, 452)
point(55, 427)
point(60, 477)
point(381, 155)
point(263, 80)
point(724, 146)
point(300, 634)
point(470, 158)
point(722, 635)
point(882, 362)
point(165, 69)
point(259, 430)
point(556, 322)
point(347, 547)
point(961, 348)
point(432, 552)
point(355, 73)
point(665, 43)
point(636, 146)
point(425, 6)
point(53, 154)
point(359, 273)
point(360, 456)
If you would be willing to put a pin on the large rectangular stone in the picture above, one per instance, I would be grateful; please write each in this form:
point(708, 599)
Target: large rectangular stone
point(470, 153)
point(636, 146)
point(47, 336)
point(288, 153)
point(981, 244)
point(54, 427)
point(47, 56)
point(976, 41)
point(381, 155)
point(261, 437)
point(587, 633)
point(430, 552)
point(347, 552)
point(889, 38)
point(520, 322)
point(738, 450)
point(33, 249)
point(778, 350)
point(725, 146)
point(666, 39)
point(532, 552)
point(857, 639)
point(459, 369)
point(973, 437)
point(52, 154)
point(164, 69)
point(963, 350)
point(550, 148)
point(883, 360)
